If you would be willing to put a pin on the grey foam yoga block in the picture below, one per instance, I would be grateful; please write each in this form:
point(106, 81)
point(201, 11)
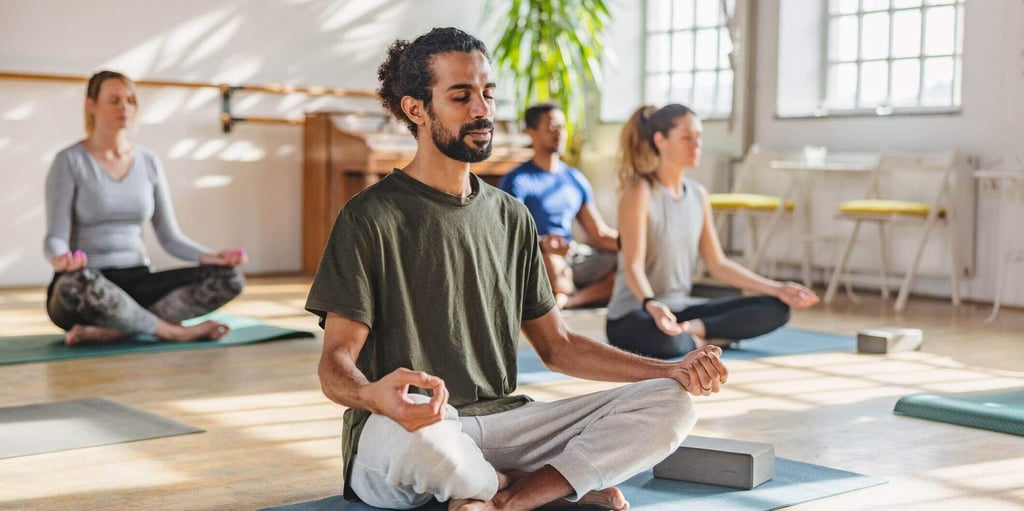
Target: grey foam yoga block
point(889, 340)
point(720, 461)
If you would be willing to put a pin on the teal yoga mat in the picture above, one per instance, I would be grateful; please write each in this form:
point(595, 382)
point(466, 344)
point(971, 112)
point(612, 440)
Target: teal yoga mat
point(784, 341)
point(40, 348)
point(996, 411)
point(795, 482)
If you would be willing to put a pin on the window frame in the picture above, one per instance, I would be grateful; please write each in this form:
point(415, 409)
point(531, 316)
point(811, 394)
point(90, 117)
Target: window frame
point(886, 109)
point(721, 31)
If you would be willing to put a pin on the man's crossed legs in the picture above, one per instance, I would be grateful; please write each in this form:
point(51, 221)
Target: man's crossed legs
point(578, 449)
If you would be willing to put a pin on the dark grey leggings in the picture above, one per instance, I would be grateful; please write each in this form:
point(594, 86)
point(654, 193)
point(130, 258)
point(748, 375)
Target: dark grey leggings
point(734, 319)
point(131, 299)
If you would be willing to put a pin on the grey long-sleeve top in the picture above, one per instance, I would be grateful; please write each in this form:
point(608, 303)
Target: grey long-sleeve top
point(88, 210)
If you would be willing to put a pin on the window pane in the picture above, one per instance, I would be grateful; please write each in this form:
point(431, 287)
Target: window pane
point(842, 6)
point(938, 82)
point(938, 36)
point(906, 34)
point(657, 52)
point(682, 51)
point(704, 92)
point(659, 13)
point(960, 29)
point(708, 13)
point(957, 81)
point(656, 89)
point(724, 105)
point(707, 48)
point(905, 3)
point(875, 5)
point(874, 36)
point(906, 78)
point(682, 14)
point(874, 84)
point(682, 89)
point(843, 38)
point(724, 47)
point(842, 86)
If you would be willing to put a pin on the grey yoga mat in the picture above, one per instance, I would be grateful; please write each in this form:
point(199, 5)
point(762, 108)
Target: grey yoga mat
point(49, 427)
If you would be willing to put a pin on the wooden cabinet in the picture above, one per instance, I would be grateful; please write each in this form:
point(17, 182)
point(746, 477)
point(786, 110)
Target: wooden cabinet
point(338, 163)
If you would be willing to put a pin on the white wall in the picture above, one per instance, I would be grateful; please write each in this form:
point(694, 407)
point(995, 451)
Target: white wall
point(336, 44)
point(340, 44)
point(622, 94)
point(989, 127)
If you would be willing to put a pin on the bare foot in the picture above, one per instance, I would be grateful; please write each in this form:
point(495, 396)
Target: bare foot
point(469, 505)
point(88, 334)
point(205, 331)
point(610, 498)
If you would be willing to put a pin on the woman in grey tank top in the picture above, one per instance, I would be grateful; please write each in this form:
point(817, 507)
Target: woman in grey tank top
point(99, 192)
point(665, 224)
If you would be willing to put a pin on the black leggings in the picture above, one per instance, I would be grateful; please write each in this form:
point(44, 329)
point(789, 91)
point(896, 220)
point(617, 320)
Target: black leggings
point(726, 318)
point(131, 299)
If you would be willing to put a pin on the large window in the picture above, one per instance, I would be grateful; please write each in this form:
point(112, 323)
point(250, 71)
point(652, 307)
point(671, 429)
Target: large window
point(889, 56)
point(687, 56)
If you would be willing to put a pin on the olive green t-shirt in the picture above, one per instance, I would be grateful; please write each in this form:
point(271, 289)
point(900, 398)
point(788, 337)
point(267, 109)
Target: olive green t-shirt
point(443, 282)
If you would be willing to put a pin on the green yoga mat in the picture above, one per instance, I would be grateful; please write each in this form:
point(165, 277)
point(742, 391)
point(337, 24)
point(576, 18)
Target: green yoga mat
point(795, 482)
point(50, 427)
point(996, 411)
point(40, 348)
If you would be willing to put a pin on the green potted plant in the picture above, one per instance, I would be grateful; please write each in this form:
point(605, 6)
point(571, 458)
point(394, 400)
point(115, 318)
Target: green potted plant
point(553, 49)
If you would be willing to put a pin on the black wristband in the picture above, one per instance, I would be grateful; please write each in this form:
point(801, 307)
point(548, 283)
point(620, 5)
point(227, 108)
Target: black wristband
point(643, 304)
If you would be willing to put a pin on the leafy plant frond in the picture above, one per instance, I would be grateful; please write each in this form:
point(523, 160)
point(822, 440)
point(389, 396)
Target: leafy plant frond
point(554, 50)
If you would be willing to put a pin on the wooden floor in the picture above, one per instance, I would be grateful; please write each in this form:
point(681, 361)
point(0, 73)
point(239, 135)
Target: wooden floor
point(272, 438)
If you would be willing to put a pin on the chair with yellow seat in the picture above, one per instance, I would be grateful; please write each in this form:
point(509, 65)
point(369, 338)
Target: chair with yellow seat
point(895, 196)
point(748, 206)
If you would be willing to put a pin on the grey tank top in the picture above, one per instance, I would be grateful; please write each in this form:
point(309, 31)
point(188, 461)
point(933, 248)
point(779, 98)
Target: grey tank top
point(673, 239)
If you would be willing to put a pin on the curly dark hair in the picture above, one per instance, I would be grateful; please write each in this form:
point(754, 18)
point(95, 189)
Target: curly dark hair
point(406, 70)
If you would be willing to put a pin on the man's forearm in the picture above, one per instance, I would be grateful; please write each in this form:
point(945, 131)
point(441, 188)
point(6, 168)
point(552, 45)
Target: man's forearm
point(583, 357)
point(343, 383)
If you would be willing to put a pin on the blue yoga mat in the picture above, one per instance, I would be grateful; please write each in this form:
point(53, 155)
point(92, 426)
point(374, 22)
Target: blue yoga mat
point(1001, 411)
point(784, 341)
point(795, 482)
point(40, 348)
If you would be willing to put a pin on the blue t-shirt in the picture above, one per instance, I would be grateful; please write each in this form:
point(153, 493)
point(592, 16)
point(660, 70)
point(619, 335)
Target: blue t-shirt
point(553, 198)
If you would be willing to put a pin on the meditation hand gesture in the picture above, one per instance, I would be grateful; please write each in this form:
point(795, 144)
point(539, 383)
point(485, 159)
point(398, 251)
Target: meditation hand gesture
point(389, 396)
point(232, 257)
point(70, 261)
point(664, 319)
point(795, 295)
point(701, 371)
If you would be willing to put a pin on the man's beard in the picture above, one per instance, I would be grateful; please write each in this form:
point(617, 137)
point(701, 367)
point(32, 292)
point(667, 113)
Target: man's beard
point(455, 148)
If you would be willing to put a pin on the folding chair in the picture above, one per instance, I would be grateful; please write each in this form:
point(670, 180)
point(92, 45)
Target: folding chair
point(743, 203)
point(892, 196)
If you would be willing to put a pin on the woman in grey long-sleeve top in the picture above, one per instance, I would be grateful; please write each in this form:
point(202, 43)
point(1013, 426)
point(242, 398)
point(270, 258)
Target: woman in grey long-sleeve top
point(99, 192)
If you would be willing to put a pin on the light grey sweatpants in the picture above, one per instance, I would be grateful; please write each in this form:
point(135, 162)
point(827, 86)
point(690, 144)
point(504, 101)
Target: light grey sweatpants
point(595, 441)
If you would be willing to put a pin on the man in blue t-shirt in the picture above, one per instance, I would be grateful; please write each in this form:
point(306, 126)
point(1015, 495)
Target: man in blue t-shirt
point(556, 193)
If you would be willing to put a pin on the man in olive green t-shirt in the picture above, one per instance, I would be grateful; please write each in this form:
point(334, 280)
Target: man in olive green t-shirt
point(424, 284)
